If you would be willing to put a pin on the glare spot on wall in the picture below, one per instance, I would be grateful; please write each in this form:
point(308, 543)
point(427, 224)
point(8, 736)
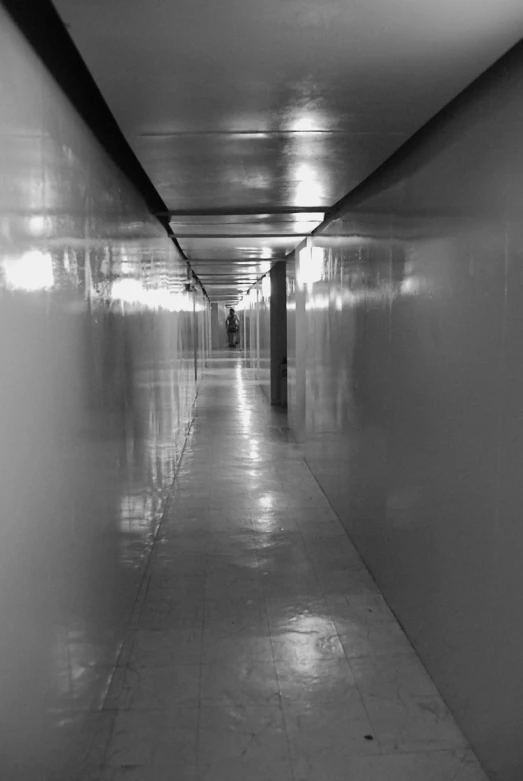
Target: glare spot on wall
point(310, 267)
point(31, 271)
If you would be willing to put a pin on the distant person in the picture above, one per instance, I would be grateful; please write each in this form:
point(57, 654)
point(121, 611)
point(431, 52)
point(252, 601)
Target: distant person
point(232, 326)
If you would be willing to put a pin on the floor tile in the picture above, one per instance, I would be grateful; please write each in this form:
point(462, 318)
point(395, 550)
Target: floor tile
point(372, 639)
point(224, 589)
point(253, 734)
point(241, 624)
point(178, 583)
point(251, 607)
point(283, 610)
point(347, 583)
point(154, 739)
point(323, 740)
point(385, 676)
point(249, 683)
point(85, 688)
point(242, 770)
point(168, 612)
point(305, 637)
point(432, 766)
point(360, 608)
point(413, 724)
point(155, 688)
point(165, 648)
point(76, 747)
point(145, 773)
point(237, 650)
point(317, 683)
point(290, 584)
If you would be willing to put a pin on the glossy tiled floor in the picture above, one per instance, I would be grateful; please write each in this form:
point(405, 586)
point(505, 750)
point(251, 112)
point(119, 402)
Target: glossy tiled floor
point(260, 648)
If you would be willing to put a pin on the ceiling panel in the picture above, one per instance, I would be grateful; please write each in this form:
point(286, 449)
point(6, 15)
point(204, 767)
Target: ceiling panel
point(241, 105)
point(244, 225)
point(264, 170)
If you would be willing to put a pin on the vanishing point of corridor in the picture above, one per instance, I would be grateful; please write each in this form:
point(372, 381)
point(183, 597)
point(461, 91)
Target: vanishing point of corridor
point(260, 648)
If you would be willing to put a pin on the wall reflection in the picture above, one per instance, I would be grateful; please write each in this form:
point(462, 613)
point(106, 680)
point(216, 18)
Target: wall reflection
point(101, 348)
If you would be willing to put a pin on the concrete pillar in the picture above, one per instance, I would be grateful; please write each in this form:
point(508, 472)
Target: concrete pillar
point(278, 328)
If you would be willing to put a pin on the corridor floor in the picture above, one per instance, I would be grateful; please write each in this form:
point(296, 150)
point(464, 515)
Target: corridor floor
point(260, 648)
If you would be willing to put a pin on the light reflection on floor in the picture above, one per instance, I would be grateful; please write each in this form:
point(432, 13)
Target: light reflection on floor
point(260, 648)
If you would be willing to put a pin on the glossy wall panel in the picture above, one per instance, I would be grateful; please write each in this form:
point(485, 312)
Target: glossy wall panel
point(264, 306)
point(278, 334)
point(218, 331)
point(255, 332)
point(290, 282)
point(414, 402)
point(100, 353)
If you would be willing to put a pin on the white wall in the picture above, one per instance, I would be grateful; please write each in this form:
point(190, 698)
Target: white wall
point(96, 389)
point(414, 402)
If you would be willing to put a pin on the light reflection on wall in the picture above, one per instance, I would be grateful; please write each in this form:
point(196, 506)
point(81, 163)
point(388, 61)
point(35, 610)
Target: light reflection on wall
point(314, 273)
point(310, 265)
point(30, 271)
point(133, 291)
point(266, 286)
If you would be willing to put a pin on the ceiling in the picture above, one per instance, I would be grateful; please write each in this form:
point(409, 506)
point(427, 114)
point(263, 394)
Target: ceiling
point(252, 118)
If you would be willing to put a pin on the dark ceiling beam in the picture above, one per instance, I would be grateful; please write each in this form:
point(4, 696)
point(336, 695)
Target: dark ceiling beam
point(229, 276)
point(241, 235)
point(244, 260)
point(242, 210)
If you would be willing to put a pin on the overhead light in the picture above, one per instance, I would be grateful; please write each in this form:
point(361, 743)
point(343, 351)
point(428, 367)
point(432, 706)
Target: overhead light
point(309, 188)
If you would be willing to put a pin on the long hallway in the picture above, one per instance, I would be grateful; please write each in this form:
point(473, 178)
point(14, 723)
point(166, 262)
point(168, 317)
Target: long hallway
point(260, 648)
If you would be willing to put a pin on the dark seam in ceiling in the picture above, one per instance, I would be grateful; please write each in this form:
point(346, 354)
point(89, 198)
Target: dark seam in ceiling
point(283, 133)
point(206, 236)
point(241, 211)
